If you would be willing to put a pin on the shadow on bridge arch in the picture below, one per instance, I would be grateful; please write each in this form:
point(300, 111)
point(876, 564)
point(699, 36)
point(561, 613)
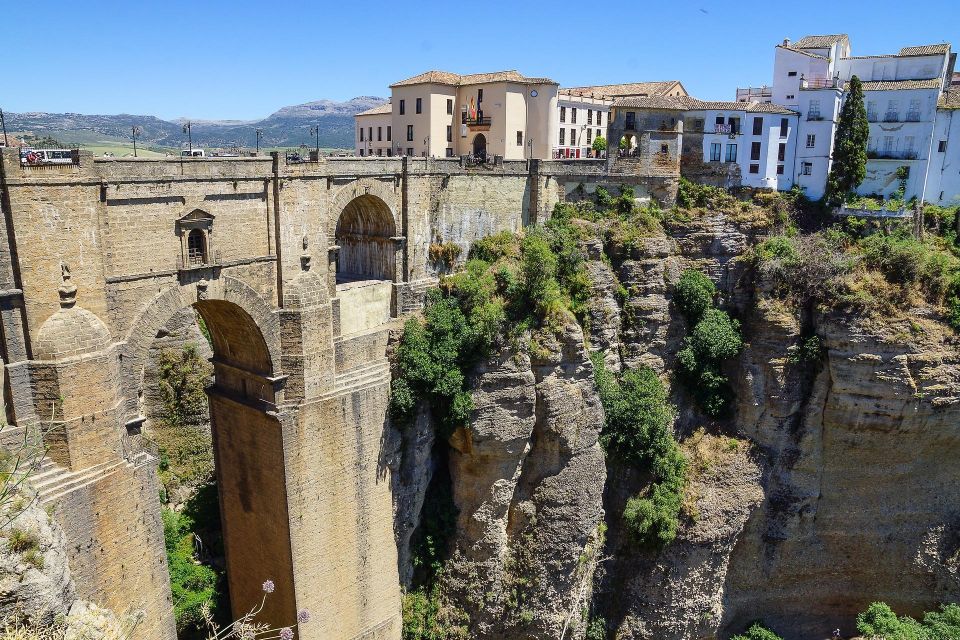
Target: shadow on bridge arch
point(247, 434)
point(366, 234)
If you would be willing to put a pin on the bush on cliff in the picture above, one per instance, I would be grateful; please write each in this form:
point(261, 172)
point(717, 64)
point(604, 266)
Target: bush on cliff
point(879, 622)
point(757, 632)
point(192, 584)
point(637, 429)
point(714, 338)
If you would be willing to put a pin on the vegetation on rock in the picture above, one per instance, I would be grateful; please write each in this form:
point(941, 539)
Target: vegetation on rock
point(879, 622)
point(757, 632)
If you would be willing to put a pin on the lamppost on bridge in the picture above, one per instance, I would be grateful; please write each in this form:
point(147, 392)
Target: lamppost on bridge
point(187, 130)
point(315, 131)
point(136, 131)
point(259, 137)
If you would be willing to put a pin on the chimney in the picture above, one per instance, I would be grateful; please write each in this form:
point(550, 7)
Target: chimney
point(786, 42)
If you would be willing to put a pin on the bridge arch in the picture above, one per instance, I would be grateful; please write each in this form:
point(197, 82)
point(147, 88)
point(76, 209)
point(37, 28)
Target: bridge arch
point(247, 430)
point(366, 234)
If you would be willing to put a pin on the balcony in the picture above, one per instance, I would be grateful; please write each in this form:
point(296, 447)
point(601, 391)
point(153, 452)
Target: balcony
point(480, 123)
point(814, 117)
point(872, 117)
point(891, 155)
point(821, 83)
point(913, 117)
point(891, 116)
point(727, 129)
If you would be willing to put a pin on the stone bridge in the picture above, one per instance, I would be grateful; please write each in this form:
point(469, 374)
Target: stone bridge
point(296, 271)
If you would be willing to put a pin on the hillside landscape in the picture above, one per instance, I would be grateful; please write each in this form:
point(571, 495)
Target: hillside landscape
point(287, 127)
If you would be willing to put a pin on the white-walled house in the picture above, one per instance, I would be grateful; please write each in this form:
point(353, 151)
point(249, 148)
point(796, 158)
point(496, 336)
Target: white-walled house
point(374, 136)
point(901, 95)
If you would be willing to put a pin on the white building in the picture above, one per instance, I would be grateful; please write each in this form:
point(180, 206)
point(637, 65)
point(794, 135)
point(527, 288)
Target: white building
point(374, 135)
point(901, 94)
point(584, 112)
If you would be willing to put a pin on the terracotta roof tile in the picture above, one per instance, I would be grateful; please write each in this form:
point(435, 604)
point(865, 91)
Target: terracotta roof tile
point(894, 85)
point(819, 42)
point(949, 100)
point(657, 88)
point(802, 52)
point(926, 49)
point(376, 111)
point(689, 103)
point(454, 79)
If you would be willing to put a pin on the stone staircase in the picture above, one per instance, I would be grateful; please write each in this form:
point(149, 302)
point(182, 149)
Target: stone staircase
point(53, 482)
point(359, 378)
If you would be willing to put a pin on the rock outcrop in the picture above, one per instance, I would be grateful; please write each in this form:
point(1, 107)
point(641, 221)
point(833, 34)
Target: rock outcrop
point(528, 478)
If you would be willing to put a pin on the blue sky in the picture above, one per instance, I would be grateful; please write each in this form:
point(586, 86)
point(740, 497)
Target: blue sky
point(244, 60)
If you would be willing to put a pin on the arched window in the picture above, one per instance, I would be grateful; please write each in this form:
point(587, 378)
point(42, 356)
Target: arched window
point(196, 247)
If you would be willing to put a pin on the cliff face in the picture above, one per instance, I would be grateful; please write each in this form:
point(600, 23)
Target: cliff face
point(527, 479)
point(862, 502)
point(834, 485)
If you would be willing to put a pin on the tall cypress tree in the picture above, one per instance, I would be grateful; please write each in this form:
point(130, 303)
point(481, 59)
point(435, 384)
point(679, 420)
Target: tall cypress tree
point(849, 146)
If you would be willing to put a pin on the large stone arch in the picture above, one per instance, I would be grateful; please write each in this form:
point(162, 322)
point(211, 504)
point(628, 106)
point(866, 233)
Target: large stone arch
point(366, 235)
point(248, 432)
point(388, 192)
point(158, 312)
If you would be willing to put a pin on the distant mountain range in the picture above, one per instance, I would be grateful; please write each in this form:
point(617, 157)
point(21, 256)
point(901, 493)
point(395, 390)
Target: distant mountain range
point(288, 127)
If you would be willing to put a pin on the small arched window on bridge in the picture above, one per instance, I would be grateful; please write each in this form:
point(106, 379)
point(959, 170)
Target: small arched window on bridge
point(196, 248)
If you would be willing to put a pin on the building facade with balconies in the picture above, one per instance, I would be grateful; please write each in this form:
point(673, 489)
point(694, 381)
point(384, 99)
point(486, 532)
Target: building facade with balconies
point(901, 96)
point(483, 115)
point(726, 144)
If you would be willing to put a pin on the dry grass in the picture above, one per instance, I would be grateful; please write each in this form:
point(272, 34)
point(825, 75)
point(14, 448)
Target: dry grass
point(705, 452)
point(32, 631)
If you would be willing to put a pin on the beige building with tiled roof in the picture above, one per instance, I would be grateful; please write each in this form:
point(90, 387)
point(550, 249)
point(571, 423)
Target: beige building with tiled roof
point(629, 89)
point(901, 94)
point(444, 114)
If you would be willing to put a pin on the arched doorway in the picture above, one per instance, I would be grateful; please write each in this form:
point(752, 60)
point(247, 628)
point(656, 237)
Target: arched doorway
point(480, 147)
point(365, 234)
point(246, 443)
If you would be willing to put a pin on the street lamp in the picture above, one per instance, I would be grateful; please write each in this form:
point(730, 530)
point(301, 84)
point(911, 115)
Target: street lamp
point(187, 130)
point(136, 131)
point(315, 131)
point(259, 137)
point(4, 123)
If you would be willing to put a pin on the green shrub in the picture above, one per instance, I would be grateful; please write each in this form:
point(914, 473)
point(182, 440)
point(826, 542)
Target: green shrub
point(21, 540)
point(596, 629)
point(426, 616)
point(905, 260)
point(714, 339)
point(944, 624)
point(694, 294)
point(637, 429)
point(757, 632)
point(192, 584)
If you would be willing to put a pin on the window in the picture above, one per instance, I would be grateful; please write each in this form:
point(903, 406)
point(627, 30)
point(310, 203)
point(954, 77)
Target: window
point(563, 114)
point(196, 247)
point(871, 110)
point(519, 138)
point(573, 115)
point(784, 125)
point(379, 152)
point(731, 153)
point(599, 133)
point(806, 168)
point(813, 110)
point(410, 133)
point(563, 133)
point(811, 140)
point(757, 126)
point(782, 151)
point(664, 149)
point(419, 105)
point(449, 152)
point(599, 119)
point(887, 145)
point(942, 146)
point(449, 133)
point(403, 107)
point(908, 146)
point(479, 96)
point(719, 120)
point(631, 123)
point(892, 115)
point(779, 169)
point(754, 150)
point(370, 134)
point(589, 116)
point(409, 151)
point(913, 112)
point(389, 153)
point(589, 136)
point(361, 153)
point(791, 73)
point(734, 124)
point(379, 134)
point(573, 137)
point(714, 152)
point(388, 132)
point(449, 106)
point(754, 168)
point(361, 134)
point(790, 96)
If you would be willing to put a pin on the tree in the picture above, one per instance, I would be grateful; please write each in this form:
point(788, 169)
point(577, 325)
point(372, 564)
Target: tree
point(849, 146)
point(599, 144)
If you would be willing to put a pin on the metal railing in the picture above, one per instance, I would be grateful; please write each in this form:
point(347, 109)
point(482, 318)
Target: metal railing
point(198, 261)
point(891, 155)
point(891, 116)
point(477, 122)
point(821, 83)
